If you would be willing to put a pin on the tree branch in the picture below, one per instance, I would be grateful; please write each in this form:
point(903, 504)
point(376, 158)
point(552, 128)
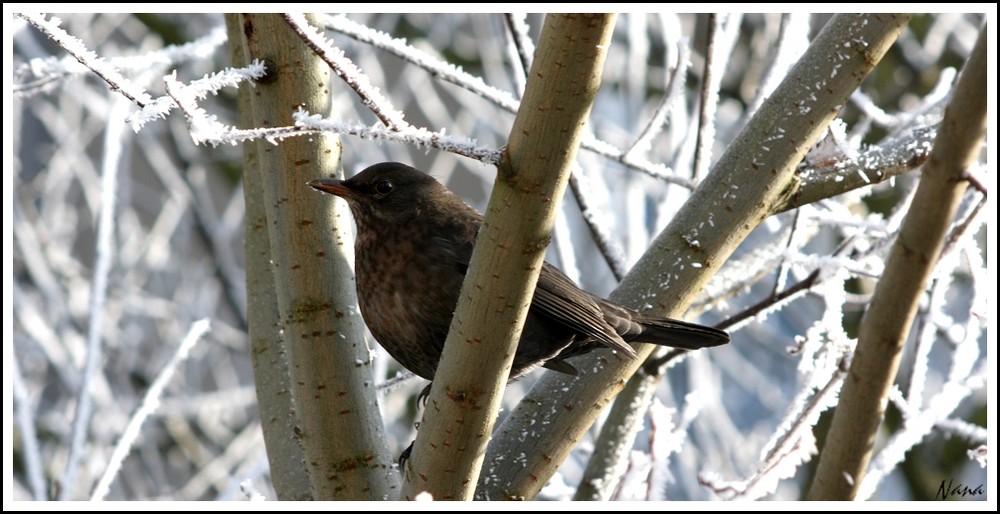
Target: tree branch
point(886, 324)
point(272, 376)
point(508, 256)
point(753, 177)
point(318, 329)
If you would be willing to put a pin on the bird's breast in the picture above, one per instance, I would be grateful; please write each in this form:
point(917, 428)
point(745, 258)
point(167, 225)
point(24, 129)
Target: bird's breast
point(407, 297)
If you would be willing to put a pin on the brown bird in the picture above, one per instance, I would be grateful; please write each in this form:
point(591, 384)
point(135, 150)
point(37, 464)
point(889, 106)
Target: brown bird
point(414, 242)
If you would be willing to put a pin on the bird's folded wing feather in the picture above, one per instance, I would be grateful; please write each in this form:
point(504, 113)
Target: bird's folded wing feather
point(559, 299)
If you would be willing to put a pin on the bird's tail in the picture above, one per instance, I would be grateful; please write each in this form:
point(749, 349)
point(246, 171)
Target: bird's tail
point(644, 328)
point(679, 334)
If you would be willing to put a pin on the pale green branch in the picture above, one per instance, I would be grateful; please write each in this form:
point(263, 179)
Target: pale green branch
point(886, 323)
point(301, 286)
point(508, 256)
point(754, 176)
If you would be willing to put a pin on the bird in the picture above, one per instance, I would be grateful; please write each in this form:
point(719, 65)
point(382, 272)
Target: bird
point(413, 245)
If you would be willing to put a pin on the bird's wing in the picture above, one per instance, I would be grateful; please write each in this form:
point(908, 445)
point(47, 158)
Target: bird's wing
point(559, 299)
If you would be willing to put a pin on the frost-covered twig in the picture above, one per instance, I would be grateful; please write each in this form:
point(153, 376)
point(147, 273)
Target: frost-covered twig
point(901, 119)
point(971, 432)
point(437, 67)
point(205, 128)
point(672, 95)
point(250, 493)
point(774, 301)
point(793, 445)
point(518, 28)
point(660, 427)
point(97, 64)
point(723, 49)
point(370, 95)
point(196, 90)
point(50, 69)
point(793, 38)
point(980, 455)
point(873, 111)
point(149, 405)
point(670, 437)
point(925, 334)
point(606, 466)
point(201, 126)
point(658, 171)
point(418, 136)
point(394, 382)
point(610, 250)
point(873, 165)
point(450, 73)
point(712, 71)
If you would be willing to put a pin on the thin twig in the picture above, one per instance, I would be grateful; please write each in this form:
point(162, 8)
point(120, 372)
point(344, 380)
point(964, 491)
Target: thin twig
point(924, 338)
point(976, 181)
point(371, 97)
point(971, 432)
point(789, 292)
point(671, 95)
point(611, 252)
point(394, 382)
point(796, 443)
point(195, 90)
point(51, 69)
point(706, 107)
point(91, 60)
point(432, 64)
point(658, 365)
point(517, 28)
point(963, 226)
point(420, 137)
point(784, 265)
point(501, 99)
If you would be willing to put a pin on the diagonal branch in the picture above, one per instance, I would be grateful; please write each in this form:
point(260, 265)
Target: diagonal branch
point(347, 71)
point(107, 72)
point(746, 185)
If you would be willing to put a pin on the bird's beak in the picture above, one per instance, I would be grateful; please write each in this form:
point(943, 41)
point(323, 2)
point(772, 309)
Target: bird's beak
point(333, 187)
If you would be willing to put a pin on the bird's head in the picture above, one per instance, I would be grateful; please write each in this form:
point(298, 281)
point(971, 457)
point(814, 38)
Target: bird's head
point(390, 192)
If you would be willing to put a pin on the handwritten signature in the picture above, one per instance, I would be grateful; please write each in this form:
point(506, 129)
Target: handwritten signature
point(953, 489)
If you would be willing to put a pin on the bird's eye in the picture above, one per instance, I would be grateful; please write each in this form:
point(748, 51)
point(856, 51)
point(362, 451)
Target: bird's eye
point(383, 187)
